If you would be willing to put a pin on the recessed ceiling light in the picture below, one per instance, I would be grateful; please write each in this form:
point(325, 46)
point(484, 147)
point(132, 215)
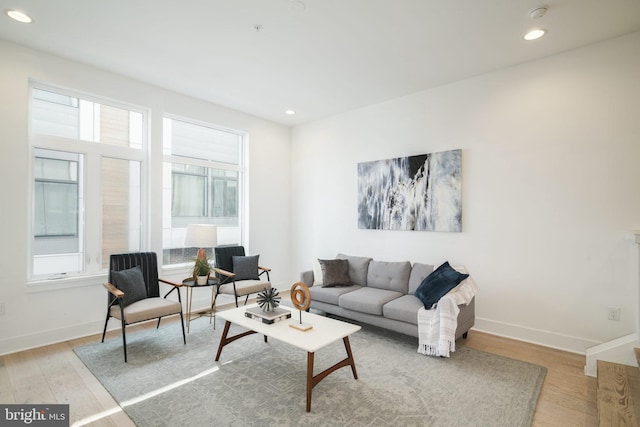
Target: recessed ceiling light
point(290, 112)
point(18, 16)
point(534, 34)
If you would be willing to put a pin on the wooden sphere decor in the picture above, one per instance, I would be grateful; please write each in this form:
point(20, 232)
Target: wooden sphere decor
point(300, 296)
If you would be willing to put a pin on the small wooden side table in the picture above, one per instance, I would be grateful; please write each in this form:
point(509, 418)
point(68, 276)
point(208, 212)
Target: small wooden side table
point(191, 284)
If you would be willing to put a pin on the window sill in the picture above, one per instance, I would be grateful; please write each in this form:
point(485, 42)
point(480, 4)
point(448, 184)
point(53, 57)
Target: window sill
point(45, 285)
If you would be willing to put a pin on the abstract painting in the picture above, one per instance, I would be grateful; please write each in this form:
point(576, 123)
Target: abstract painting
point(422, 193)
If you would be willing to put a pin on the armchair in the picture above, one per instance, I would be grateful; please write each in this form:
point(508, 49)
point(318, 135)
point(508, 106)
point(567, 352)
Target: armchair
point(134, 293)
point(239, 275)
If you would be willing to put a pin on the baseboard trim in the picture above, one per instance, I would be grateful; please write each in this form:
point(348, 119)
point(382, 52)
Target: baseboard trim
point(534, 336)
point(49, 337)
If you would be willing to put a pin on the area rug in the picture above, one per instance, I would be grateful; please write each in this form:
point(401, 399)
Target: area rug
point(167, 383)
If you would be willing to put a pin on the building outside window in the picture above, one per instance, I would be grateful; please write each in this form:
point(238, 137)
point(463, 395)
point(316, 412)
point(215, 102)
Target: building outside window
point(88, 162)
point(203, 174)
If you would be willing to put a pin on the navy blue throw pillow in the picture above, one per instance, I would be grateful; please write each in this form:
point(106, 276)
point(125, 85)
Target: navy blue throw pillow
point(438, 284)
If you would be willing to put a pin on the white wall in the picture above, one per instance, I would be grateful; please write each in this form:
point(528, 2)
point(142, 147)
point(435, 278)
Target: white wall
point(34, 318)
point(550, 187)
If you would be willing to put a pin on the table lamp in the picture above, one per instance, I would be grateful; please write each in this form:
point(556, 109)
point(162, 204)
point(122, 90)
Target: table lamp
point(201, 236)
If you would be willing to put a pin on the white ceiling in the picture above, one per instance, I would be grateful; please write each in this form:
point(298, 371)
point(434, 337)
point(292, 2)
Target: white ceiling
point(317, 57)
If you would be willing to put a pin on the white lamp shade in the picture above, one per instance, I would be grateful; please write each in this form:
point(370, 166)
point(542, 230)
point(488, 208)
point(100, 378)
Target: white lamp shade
point(201, 236)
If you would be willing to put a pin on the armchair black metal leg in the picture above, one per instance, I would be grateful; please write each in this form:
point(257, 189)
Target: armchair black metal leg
point(104, 331)
point(158, 325)
point(235, 293)
point(124, 335)
point(246, 299)
point(124, 340)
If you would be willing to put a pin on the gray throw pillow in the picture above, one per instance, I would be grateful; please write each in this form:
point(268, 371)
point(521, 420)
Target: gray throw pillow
point(131, 283)
point(245, 267)
point(335, 272)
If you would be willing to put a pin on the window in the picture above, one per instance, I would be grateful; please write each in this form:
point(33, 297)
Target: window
point(56, 193)
point(88, 160)
point(203, 171)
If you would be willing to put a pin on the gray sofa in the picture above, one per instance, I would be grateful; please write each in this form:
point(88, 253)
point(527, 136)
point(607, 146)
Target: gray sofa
point(381, 294)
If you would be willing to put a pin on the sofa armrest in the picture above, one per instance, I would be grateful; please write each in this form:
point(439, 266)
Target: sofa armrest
point(307, 277)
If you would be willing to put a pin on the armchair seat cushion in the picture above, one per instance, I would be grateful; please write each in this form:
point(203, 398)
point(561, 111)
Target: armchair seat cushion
point(367, 300)
point(244, 287)
point(146, 309)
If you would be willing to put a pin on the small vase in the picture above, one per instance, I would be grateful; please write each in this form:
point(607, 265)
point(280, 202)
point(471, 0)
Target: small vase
point(201, 280)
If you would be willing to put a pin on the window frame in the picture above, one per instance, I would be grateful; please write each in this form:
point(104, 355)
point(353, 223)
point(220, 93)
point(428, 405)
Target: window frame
point(91, 216)
point(242, 189)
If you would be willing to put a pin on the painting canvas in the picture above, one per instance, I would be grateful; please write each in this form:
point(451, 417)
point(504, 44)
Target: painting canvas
point(422, 193)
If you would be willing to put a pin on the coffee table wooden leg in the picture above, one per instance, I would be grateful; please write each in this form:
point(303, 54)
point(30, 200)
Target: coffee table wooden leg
point(349, 358)
point(310, 379)
point(224, 340)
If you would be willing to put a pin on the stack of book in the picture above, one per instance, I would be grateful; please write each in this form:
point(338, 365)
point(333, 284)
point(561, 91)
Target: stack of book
point(268, 317)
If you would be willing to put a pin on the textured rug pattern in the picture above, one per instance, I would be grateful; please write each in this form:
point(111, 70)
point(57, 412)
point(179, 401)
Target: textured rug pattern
point(258, 384)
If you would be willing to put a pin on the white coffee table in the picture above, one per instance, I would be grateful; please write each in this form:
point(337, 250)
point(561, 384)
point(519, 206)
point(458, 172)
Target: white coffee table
point(325, 331)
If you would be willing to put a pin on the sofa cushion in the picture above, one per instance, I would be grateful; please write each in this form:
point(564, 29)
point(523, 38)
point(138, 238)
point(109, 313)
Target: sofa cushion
point(404, 309)
point(332, 294)
point(418, 273)
point(438, 284)
point(392, 276)
point(358, 268)
point(367, 300)
point(335, 272)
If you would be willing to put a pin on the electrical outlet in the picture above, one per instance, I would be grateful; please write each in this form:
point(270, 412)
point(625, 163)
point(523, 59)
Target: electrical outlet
point(613, 313)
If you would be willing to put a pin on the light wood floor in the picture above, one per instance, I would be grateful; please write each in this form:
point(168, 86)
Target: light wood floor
point(568, 397)
point(53, 374)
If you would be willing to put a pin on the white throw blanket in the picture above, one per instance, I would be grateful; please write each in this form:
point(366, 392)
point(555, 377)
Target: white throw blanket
point(437, 327)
